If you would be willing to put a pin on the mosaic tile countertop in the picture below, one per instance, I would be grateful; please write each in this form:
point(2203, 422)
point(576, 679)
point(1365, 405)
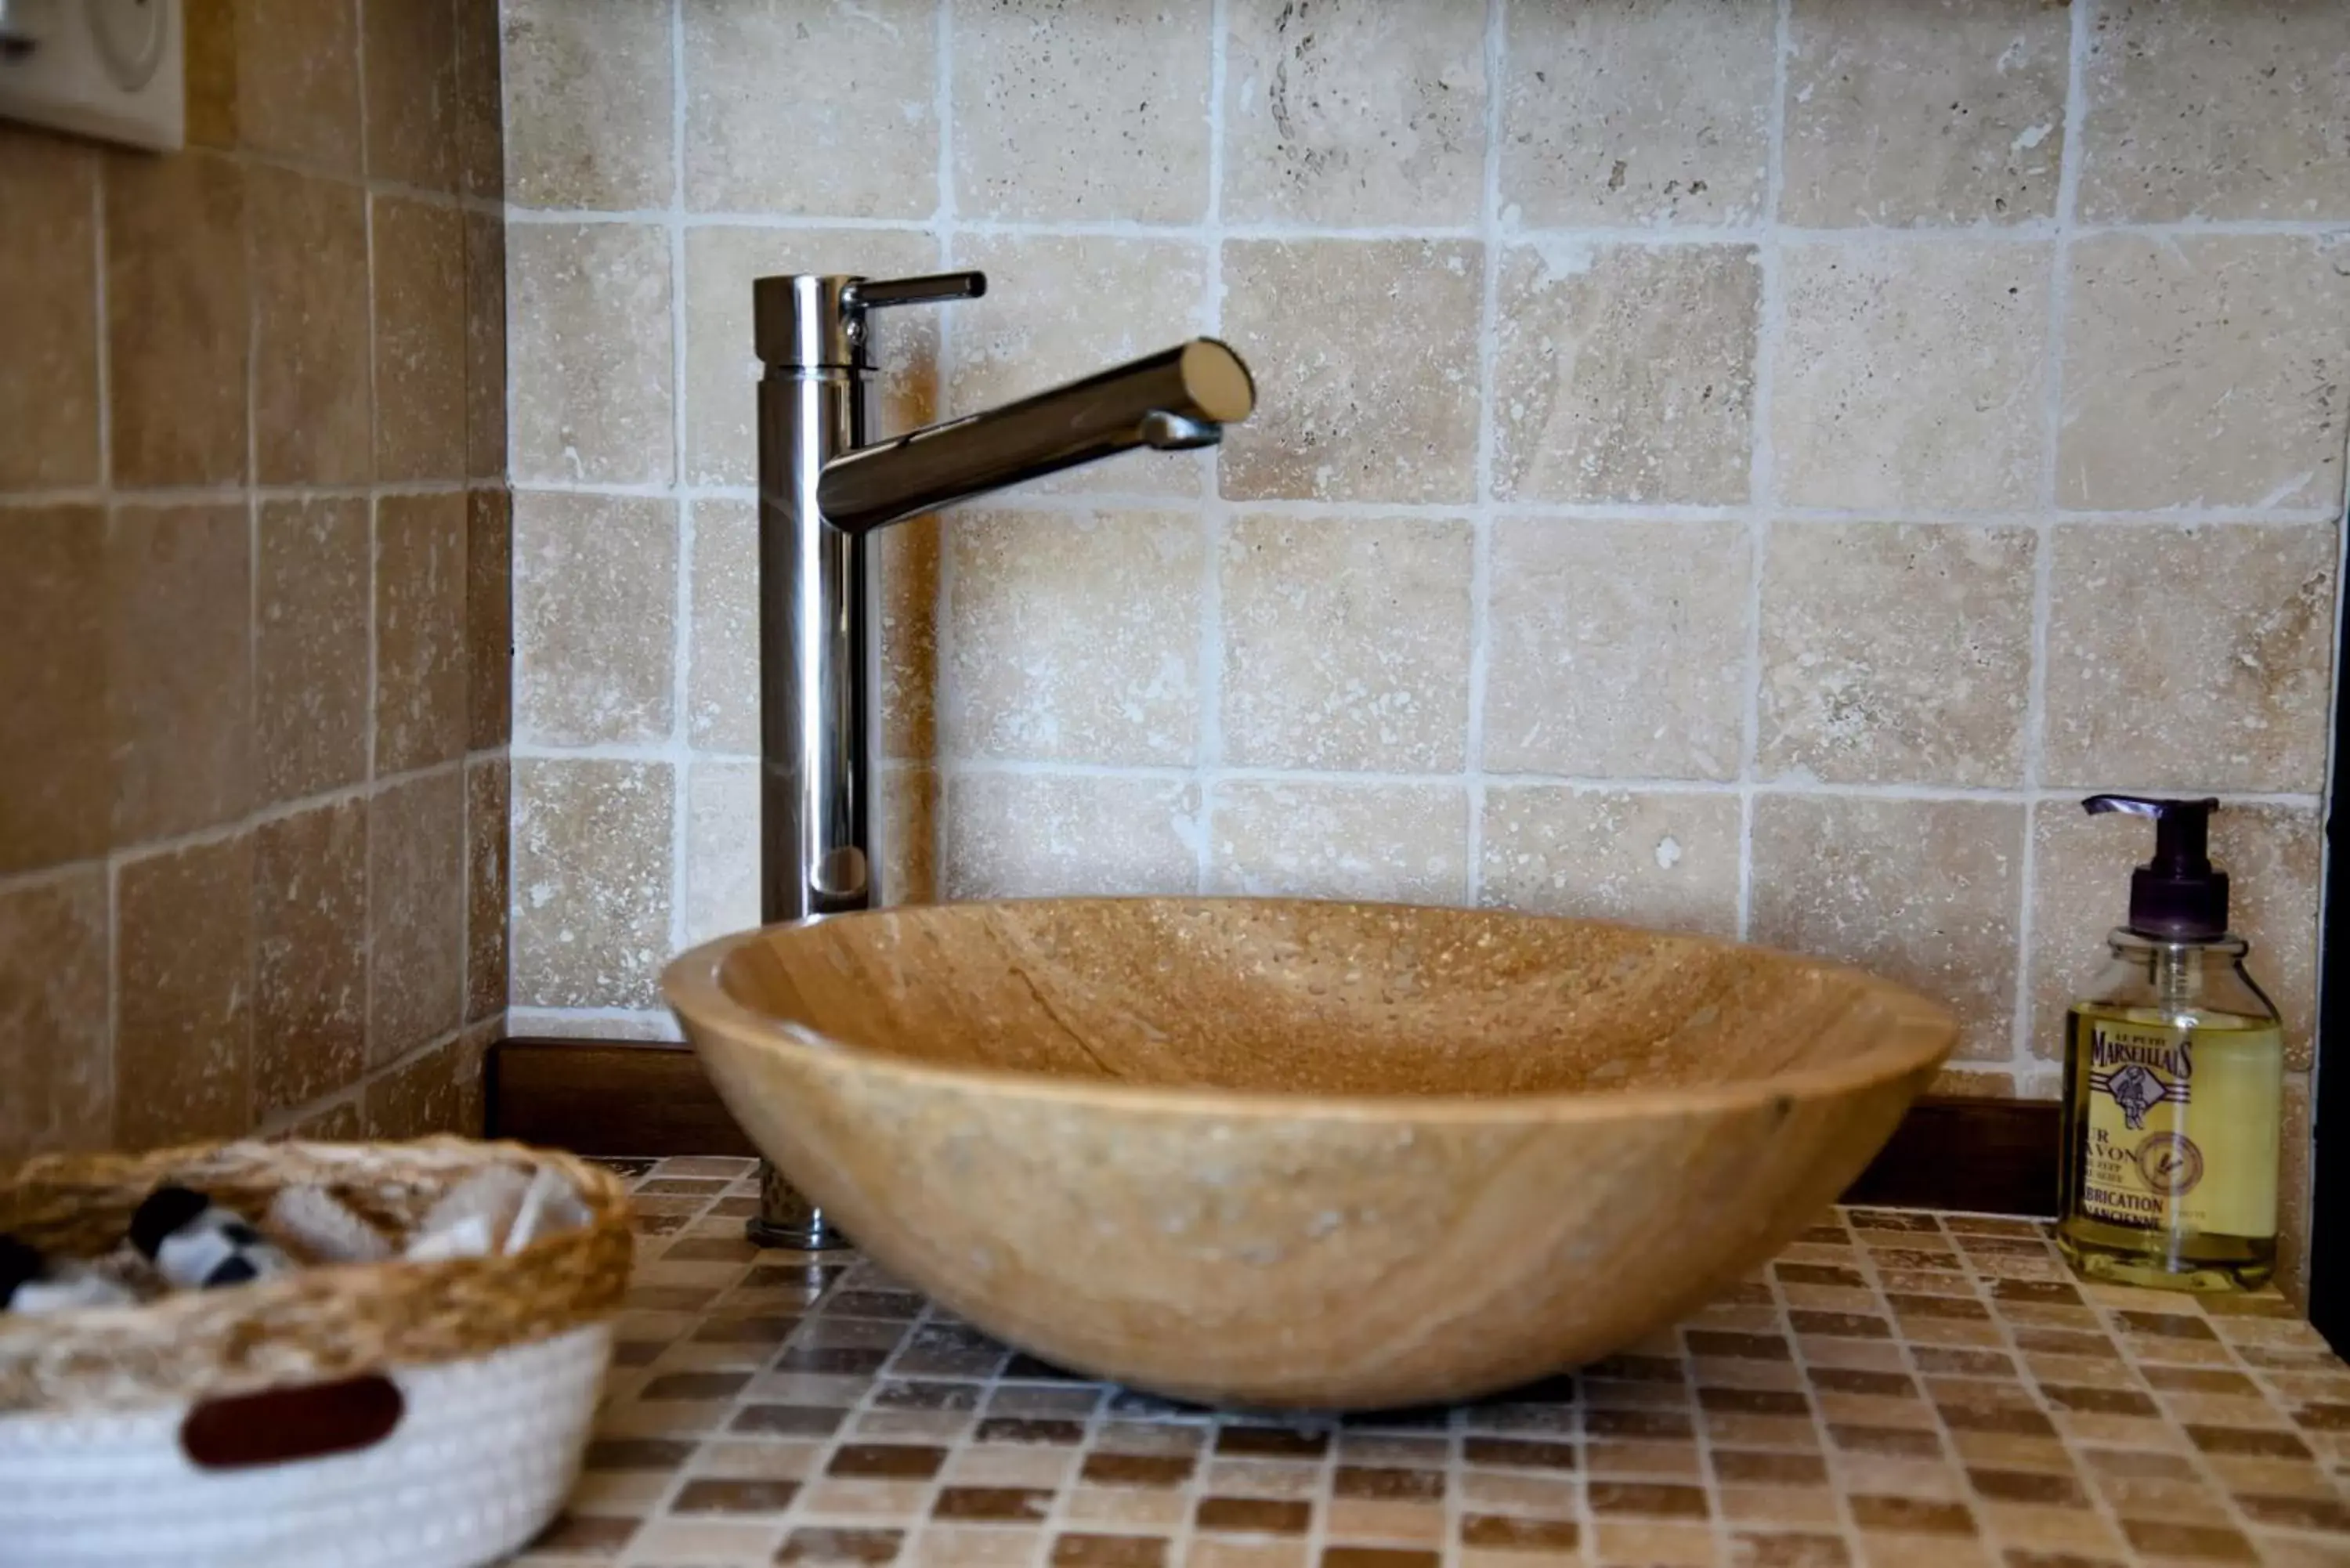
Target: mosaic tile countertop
point(1909, 1389)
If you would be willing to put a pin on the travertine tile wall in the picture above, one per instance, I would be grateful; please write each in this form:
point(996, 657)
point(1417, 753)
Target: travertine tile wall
point(254, 555)
point(1748, 468)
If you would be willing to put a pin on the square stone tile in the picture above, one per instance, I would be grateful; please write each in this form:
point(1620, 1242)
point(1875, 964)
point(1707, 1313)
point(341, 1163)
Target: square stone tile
point(1648, 856)
point(1625, 373)
point(420, 680)
point(2197, 372)
point(311, 403)
point(595, 597)
point(859, 138)
point(2080, 867)
point(1346, 642)
point(410, 52)
point(1924, 893)
point(183, 1004)
point(416, 912)
point(2222, 633)
point(722, 690)
point(1074, 638)
point(297, 81)
point(53, 1049)
point(48, 312)
point(1928, 115)
point(311, 940)
point(2200, 109)
point(420, 341)
point(1367, 114)
point(1084, 113)
point(722, 848)
point(589, 90)
point(178, 328)
point(1910, 375)
point(1365, 358)
point(1307, 839)
point(1062, 306)
point(1026, 836)
point(178, 679)
point(1896, 654)
point(422, 1097)
point(1652, 112)
point(592, 879)
point(589, 352)
point(57, 771)
point(1619, 649)
point(722, 371)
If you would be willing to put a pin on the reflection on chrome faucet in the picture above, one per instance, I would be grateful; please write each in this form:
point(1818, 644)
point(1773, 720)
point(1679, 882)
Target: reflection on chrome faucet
point(824, 486)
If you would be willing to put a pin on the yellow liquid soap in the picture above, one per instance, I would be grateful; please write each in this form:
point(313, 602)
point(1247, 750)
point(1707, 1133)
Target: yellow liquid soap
point(2173, 1119)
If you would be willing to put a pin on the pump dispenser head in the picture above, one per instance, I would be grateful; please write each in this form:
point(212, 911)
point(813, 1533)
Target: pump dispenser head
point(2177, 896)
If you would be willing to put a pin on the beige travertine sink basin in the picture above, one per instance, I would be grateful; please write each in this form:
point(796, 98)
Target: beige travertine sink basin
point(1304, 1154)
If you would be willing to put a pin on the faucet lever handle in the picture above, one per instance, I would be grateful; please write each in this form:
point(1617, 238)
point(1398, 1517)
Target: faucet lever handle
point(868, 293)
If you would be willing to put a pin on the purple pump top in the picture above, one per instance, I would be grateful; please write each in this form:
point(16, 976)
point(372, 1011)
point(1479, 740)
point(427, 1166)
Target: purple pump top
point(2177, 896)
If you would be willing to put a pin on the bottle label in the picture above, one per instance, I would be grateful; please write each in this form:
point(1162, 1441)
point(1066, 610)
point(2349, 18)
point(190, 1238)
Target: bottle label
point(2182, 1129)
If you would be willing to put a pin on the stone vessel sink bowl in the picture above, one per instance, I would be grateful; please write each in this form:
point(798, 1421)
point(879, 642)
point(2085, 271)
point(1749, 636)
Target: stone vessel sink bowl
point(1278, 1153)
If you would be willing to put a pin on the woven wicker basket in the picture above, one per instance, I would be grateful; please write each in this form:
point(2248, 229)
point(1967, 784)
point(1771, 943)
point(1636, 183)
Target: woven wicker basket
point(393, 1413)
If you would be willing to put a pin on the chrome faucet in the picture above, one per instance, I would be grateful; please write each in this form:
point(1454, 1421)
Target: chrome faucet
point(824, 486)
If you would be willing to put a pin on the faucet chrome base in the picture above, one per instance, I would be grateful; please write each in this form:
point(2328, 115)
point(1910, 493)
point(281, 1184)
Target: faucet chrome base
point(788, 1220)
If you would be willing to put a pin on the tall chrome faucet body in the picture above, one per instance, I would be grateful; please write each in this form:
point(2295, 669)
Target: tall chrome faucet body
point(824, 486)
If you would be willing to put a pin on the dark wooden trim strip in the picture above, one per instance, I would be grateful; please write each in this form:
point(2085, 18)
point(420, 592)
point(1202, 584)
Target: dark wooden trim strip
point(601, 1097)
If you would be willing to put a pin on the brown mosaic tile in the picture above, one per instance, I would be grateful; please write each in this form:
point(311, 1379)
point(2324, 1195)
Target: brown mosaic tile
point(1083, 1551)
point(2163, 1324)
point(1017, 1430)
point(895, 1461)
point(1840, 1324)
point(994, 1504)
point(2197, 1542)
point(638, 1454)
point(1752, 1549)
point(2325, 1513)
point(1377, 1557)
point(708, 1496)
point(695, 1385)
point(2248, 1440)
point(1252, 1515)
point(1755, 1401)
point(1744, 1346)
point(1392, 1484)
point(1509, 1533)
point(1901, 1441)
point(1734, 1466)
point(2028, 1487)
point(1649, 1498)
point(1518, 1453)
point(824, 1545)
point(1600, 1423)
point(1154, 1471)
point(1911, 1516)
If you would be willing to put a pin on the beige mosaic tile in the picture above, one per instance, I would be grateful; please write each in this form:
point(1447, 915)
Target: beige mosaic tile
point(420, 341)
point(1074, 638)
point(1650, 621)
point(1944, 113)
point(416, 912)
point(722, 371)
point(1023, 836)
point(2081, 867)
point(595, 595)
point(410, 55)
point(1364, 353)
point(183, 1003)
point(1303, 838)
point(722, 848)
point(48, 313)
point(592, 882)
point(1669, 860)
point(311, 408)
point(1346, 642)
point(179, 692)
point(1657, 111)
point(177, 324)
point(2170, 400)
point(591, 89)
point(589, 350)
point(860, 140)
point(1911, 374)
point(1366, 114)
point(297, 81)
point(2263, 138)
point(310, 955)
point(53, 1049)
point(1896, 654)
point(1080, 111)
point(57, 772)
point(1923, 892)
point(1061, 307)
point(419, 631)
point(1625, 372)
point(2223, 634)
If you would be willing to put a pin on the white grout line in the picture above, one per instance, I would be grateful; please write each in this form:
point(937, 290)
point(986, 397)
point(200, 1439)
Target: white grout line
point(1762, 460)
point(2044, 564)
point(1481, 538)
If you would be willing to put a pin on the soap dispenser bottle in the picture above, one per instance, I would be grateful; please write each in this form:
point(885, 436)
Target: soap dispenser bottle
point(2174, 1083)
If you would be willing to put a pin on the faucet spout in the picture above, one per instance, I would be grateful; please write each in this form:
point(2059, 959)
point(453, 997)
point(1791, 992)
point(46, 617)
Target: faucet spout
point(1172, 400)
